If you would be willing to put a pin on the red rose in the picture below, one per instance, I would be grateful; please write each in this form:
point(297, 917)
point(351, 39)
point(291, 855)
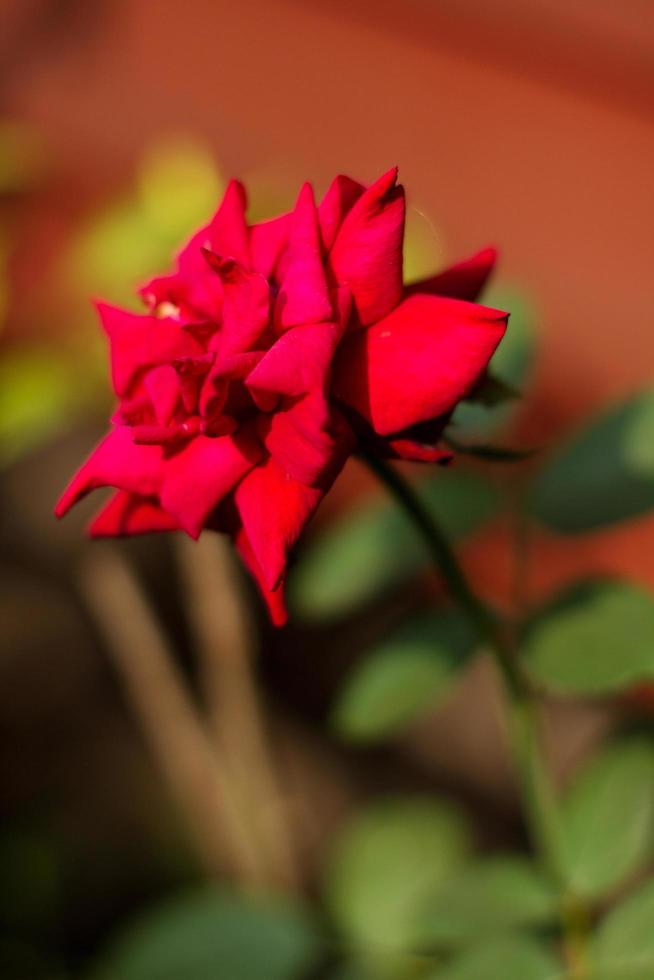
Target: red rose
point(263, 360)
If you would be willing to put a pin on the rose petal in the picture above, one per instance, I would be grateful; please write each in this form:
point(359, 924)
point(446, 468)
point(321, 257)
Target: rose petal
point(367, 252)
point(339, 199)
point(418, 452)
point(246, 305)
point(298, 361)
point(267, 241)
point(198, 477)
point(116, 462)
point(418, 362)
point(139, 342)
point(463, 280)
point(126, 514)
point(303, 296)
point(310, 439)
point(162, 384)
point(274, 509)
point(228, 231)
point(274, 599)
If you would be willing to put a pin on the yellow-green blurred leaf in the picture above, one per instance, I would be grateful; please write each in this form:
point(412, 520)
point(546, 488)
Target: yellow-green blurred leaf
point(132, 238)
point(41, 390)
point(179, 187)
point(492, 896)
point(607, 818)
point(510, 958)
point(623, 948)
point(387, 865)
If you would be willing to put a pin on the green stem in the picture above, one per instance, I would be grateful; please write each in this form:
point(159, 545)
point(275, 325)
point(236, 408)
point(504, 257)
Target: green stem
point(537, 793)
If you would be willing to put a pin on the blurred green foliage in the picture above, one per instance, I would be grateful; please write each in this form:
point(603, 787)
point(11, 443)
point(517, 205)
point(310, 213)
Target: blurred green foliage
point(604, 474)
point(413, 669)
point(623, 948)
point(387, 866)
point(212, 933)
point(489, 897)
point(607, 818)
point(42, 390)
point(375, 547)
point(594, 639)
point(512, 958)
point(177, 189)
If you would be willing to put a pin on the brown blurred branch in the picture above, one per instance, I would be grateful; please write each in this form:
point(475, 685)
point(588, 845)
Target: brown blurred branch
point(225, 643)
point(170, 721)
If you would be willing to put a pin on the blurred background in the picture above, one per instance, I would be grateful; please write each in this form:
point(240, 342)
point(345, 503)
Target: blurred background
point(525, 126)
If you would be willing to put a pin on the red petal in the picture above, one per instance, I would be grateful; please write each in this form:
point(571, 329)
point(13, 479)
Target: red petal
point(309, 439)
point(139, 342)
point(246, 305)
point(341, 195)
point(274, 509)
point(198, 477)
point(191, 289)
point(162, 384)
point(418, 362)
point(116, 462)
point(226, 368)
point(367, 252)
point(274, 599)
point(267, 241)
point(228, 231)
point(127, 513)
point(303, 296)
point(298, 361)
point(464, 280)
point(418, 452)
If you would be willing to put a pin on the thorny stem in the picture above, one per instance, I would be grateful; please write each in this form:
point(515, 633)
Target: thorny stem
point(536, 789)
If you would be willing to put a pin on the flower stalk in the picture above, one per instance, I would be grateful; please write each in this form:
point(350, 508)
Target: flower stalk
point(536, 789)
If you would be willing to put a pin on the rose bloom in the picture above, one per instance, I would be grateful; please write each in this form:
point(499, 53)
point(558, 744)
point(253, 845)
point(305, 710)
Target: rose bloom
point(269, 354)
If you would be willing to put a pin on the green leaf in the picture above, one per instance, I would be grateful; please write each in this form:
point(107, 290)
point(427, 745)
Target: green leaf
point(388, 865)
point(607, 818)
point(510, 958)
point(623, 947)
point(412, 670)
point(376, 547)
point(363, 968)
point(604, 474)
point(493, 896)
point(492, 391)
point(213, 934)
point(492, 454)
point(594, 639)
point(510, 368)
